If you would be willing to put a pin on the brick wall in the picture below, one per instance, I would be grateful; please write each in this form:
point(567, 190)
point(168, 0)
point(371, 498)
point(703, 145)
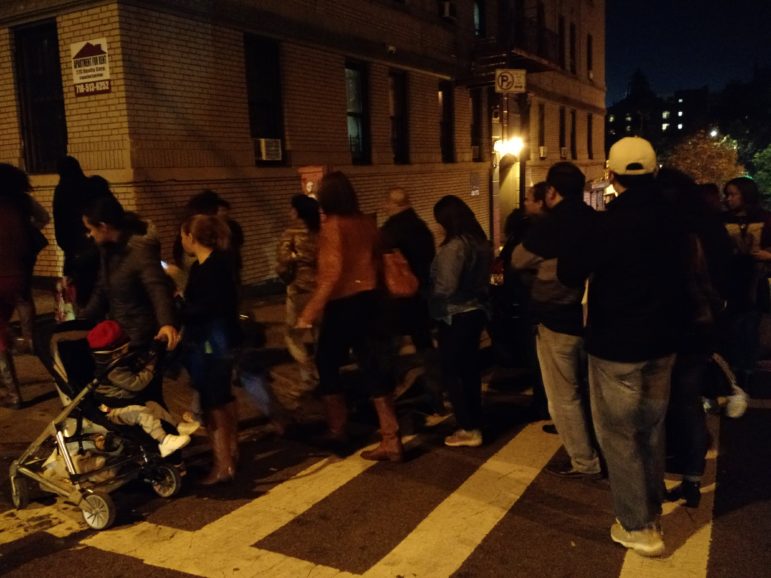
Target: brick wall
point(177, 121)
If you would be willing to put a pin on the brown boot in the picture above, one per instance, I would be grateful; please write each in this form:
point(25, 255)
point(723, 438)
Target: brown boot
point(390, 448)
point(337, 417)
point(10, 396)
point(219, 429)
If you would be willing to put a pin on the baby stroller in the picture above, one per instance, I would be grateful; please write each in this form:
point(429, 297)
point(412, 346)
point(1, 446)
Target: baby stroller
point(81, 455)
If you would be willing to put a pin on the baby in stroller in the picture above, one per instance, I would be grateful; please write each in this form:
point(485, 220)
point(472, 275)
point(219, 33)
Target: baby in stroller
point(119, 392)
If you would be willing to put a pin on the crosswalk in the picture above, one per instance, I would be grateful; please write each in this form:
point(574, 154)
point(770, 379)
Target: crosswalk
point(490, 511)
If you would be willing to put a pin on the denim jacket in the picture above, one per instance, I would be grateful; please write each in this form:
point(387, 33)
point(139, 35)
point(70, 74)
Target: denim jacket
point(460, 276)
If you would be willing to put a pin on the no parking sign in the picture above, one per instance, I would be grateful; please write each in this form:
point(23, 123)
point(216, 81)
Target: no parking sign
point(510, 80)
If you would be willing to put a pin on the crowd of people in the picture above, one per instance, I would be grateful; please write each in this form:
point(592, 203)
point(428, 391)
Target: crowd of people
point(622, 313)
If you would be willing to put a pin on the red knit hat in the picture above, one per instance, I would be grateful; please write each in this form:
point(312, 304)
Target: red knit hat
point(106, 335)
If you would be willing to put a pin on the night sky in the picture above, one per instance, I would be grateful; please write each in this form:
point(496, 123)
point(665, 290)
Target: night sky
point(681, 44)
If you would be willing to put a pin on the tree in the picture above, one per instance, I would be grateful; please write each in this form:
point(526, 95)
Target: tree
point(762, 173)
point(706, 159)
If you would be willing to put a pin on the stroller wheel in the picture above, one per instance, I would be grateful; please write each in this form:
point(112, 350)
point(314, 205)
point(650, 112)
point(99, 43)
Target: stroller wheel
point(166, 481)
point(20, 492)
point(98, 510)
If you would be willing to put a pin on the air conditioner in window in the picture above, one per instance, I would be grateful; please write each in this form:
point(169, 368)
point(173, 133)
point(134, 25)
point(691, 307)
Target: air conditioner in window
point(563, 152)
point(267, 149)
point(542, 152)
point(449, 11)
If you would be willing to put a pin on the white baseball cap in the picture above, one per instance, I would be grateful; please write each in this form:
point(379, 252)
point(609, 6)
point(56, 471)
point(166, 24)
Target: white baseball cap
point(632, 155)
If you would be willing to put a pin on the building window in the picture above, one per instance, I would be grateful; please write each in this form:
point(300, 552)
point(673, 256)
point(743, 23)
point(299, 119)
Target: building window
point(357, 110)
point(561, 40)
point(397, 105)
point(679, 113)
point(573, 48)
point(679, 127)
point(480, 16)
point(590, 56)
point(563, 139)
point(590, 136)
point(541, 125)
point(475, 97)
point(41, 100)
point(263, 89)
point(665, 115)
point(573, 147)
point(446, 121)
point(664, 126)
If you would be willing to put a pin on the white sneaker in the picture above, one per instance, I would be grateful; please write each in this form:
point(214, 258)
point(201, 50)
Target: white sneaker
point(172, 443)
point(186, 428)
point(647, 542)
point(464, 438)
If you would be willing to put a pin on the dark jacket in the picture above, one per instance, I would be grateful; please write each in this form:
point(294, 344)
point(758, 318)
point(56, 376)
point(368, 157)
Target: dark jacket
point(15, 240)
point(409, 234)
point(637, 285)
point(550, 240)
point(210, 314)
point(749, 232)
point(132, 288)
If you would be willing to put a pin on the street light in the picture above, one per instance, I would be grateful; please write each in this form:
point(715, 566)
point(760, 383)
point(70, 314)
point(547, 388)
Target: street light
point(512, 146)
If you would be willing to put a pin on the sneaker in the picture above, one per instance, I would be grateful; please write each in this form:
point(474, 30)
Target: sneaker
point(464, 438)
point(646, 542)
point(736, 404)
point(569, 473)
point(187, 428)
point(434, 419)
point(172, 443)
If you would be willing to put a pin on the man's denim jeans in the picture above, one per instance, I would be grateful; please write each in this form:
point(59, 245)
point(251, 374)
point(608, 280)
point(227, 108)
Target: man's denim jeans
point(629, 406)
point(559, 355)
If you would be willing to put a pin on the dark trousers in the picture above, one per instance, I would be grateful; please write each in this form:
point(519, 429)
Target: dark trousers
point(352, 323)
point(686, 423)
point(459, 355)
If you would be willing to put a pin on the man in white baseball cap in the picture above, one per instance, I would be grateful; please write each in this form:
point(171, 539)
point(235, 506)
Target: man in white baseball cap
point(631, 335)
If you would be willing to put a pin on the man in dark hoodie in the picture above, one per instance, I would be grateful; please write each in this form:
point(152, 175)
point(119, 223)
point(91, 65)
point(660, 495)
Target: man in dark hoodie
point(558, 311)
point(636, 297)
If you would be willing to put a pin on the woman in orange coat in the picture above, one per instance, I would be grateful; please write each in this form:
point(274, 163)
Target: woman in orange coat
point(347, 295)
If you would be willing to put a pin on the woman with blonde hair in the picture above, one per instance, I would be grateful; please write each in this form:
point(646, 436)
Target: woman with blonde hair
point(211, 333)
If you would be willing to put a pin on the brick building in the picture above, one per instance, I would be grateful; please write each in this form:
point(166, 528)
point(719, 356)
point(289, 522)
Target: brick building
point(167, 97)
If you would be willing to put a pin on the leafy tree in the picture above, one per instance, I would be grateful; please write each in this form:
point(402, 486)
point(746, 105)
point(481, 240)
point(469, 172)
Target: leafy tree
point(706, 159)
point(762, 173)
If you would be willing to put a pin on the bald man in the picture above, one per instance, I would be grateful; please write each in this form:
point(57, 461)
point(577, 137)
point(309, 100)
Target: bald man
point(406, 231)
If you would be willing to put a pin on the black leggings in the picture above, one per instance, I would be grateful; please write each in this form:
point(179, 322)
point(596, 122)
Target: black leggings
point(354, 323)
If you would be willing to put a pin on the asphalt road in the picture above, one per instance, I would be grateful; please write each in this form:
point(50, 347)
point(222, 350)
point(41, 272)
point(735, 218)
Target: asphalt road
point(296, 510)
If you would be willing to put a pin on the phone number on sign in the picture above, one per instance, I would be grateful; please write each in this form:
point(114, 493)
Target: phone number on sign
point(92, 87)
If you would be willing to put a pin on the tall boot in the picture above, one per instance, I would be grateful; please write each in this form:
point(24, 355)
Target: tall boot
point(337, 417)
point(390, 448)
point(10, 396)
point(219, 428)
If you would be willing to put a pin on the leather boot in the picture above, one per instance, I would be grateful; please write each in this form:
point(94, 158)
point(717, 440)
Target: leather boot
point(337, 417)
point(10, 396)
point(219, 430)
point(390, 448)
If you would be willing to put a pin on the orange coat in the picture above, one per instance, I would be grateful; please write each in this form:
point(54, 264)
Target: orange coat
point(348, 262)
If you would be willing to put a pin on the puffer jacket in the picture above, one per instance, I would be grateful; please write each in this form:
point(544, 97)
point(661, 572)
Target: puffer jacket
point(297, 258)
point(349, 261)
point(132, 287)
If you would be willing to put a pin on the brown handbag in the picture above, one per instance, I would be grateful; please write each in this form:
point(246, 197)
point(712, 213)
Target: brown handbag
point(399, 279)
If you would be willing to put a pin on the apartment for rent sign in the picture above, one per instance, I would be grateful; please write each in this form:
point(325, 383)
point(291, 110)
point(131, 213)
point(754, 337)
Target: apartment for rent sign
point(90, 67)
